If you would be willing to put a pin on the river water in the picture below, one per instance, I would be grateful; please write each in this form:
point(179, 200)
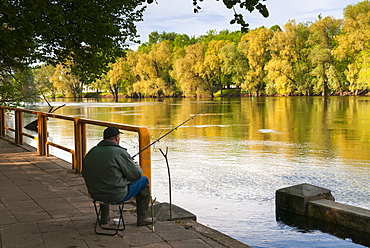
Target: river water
point(227, 163)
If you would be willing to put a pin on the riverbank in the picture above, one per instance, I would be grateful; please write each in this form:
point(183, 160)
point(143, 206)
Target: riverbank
point(220, 93)
point(45, 204)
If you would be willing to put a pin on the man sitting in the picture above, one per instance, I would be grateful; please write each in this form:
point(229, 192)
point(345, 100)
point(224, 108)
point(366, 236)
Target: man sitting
point(112, 176)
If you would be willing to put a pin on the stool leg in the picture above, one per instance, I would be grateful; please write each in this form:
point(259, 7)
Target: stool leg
point(121, 220)
point(99, 218)
point(104, 209)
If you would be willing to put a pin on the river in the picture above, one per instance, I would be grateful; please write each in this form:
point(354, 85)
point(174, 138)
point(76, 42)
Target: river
point(227, 163)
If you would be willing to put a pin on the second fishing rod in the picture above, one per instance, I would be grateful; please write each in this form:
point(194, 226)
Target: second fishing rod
point(173, 129)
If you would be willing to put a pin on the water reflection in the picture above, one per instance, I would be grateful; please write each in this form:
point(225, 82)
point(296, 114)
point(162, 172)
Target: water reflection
point(227, 163)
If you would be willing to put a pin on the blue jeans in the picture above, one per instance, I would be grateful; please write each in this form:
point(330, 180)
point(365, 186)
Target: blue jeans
point(135, 187)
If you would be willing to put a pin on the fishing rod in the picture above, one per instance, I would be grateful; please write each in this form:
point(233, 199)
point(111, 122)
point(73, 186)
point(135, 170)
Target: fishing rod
point(173, 129)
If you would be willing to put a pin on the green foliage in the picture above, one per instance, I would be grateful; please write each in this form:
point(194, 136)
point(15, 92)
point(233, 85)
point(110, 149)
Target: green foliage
point(254, 45)
point(353, 45)
point(85, 35)
point(90, 33)
point(42, 80)
point(327, 56)
point(249, 5)
point(66, 82)
point(16, 88)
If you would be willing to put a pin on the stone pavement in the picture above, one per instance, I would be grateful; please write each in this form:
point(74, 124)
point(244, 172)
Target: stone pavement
point(43, 203)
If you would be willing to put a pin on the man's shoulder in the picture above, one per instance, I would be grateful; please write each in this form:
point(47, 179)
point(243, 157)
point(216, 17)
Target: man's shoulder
point(109, 144)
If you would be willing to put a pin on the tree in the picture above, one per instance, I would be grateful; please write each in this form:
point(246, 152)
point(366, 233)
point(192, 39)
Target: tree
point(92, 34)
point(288, 68)
point(17, 86)
point(43, 83)
point(280, 67)
point(101, 84)
point(322, 43)
point(226, 35)
point(353, 43)
point(84, 31)
point(254, 46)
point(234, 64)
point(213, 62)
point(67, 83)
point(182, 40)
point(153, 71)
point(155, 38)
point(188, 70)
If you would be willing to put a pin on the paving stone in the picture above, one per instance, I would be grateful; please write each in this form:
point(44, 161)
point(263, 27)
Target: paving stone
point(172, 231)
point(65, 190)
point(140, 239)
point(38, 191)
point(56, 203)
point(6, 217)
point(157, 245)
point(18, 206)
point(79, 198)
point(21, 235)
point(4, 181)
point(20, 178)
point(68, 239)
point(194, 243)
point(33, 216)
point(86, 230)
point(62, 214)
point(10, 190)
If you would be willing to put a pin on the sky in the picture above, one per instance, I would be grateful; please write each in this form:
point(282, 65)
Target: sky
point(178, 16)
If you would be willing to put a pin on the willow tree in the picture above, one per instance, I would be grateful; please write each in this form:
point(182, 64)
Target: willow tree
point(288, 68)
point(254, 46)
point(234, 64)
point(353, 44)
point(153, 71)
point(121, 77)
point(321, 42)
point(67, 83)
point(364, 73)
point(280, 68)
point(213, 62)
point(189, 70)
point(42, 79)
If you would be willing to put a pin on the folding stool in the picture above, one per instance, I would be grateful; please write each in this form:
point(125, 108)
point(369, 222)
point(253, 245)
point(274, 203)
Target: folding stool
point(98, 220)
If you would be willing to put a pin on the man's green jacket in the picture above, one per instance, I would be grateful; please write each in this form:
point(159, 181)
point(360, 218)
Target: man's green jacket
point(107, 170)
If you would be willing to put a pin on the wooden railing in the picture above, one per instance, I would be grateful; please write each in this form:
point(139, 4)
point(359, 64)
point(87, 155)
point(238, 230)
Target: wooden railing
point(80, 135)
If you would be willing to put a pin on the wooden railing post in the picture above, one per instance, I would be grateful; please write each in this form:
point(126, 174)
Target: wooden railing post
point(83, 140)
point(2, 122)
point(18, 127)
point(78, 146)
point(42, 130)
point(145, 156)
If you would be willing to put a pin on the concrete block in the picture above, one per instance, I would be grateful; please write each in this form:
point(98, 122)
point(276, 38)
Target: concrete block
point(295, 198)
point(340, 214)
point(162, 212)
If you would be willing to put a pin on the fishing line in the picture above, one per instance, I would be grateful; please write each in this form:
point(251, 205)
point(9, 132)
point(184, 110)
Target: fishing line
point(173, 129)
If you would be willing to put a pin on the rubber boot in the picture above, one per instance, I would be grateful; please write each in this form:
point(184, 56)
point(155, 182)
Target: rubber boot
point(104, 213)
point(142, 202)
